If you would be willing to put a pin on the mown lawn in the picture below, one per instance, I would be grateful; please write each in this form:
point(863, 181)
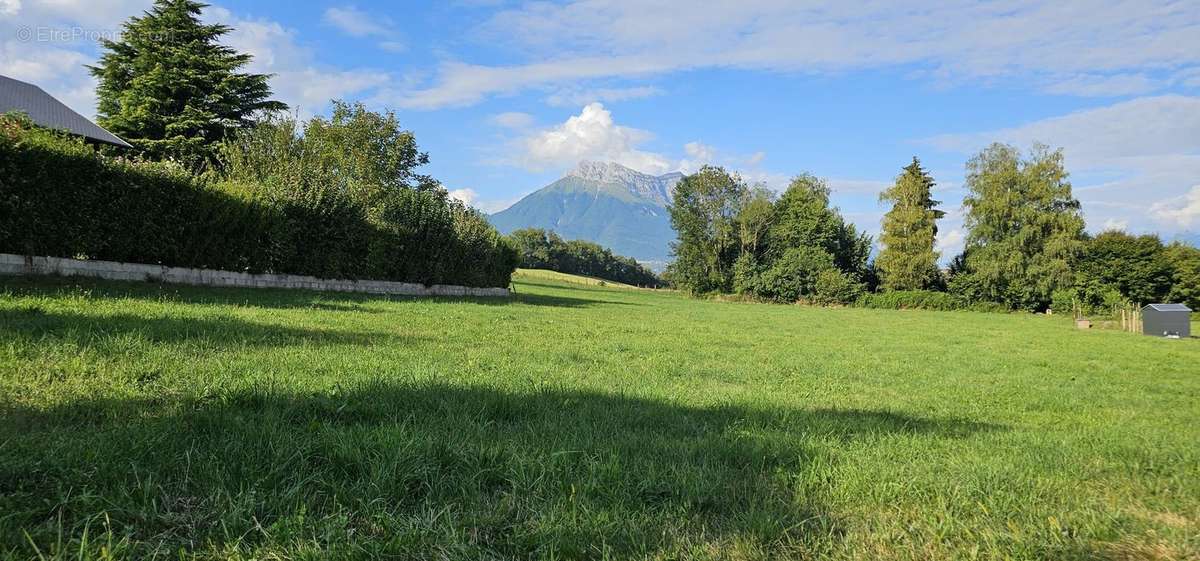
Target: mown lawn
point(143, 421)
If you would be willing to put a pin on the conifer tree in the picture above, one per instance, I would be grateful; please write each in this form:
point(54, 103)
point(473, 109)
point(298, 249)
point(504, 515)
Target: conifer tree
point(908, 260)
point(172, 90)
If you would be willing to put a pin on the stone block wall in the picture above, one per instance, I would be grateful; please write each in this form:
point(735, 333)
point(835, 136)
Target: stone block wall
point(26, 265)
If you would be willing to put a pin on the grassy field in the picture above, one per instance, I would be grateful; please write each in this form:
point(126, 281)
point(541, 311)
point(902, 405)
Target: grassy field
point(144, 421)
point(536, 275)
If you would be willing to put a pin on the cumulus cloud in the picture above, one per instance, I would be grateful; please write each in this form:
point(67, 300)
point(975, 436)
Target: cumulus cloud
point(1049, 45)
point(590, 135)
point(467, 196)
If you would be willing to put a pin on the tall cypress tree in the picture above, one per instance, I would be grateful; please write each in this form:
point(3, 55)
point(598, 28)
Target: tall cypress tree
point(908, 260)
point(172, 90)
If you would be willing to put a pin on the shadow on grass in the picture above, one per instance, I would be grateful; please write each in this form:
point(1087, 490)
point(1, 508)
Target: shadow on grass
point(418, 471)
point(272, 298)
point(35, 323)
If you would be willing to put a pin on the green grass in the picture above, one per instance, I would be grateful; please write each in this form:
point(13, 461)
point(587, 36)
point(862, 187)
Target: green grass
point(538, 275)
point(143, 421)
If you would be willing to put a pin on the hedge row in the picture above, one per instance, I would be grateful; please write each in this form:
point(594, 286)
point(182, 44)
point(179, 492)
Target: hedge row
point(923, 300)
point(58, 197)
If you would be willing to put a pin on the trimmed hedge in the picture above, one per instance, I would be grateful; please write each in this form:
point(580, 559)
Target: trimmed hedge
point(59, 197)
point(924, 300)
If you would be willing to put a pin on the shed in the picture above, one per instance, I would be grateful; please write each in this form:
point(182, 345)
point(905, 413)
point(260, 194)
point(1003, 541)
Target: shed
point(1167, 320)
point(44, 110)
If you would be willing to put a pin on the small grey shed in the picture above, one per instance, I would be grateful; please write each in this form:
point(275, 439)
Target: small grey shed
point(1167, 320)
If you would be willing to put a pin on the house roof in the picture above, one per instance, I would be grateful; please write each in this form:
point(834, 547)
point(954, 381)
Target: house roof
point(44, 110)
point(1169, 307)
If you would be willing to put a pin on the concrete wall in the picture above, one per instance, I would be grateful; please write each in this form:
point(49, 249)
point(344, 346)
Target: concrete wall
point(111, 270)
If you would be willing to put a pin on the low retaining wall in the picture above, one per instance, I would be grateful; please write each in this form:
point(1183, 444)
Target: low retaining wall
point(111, 270)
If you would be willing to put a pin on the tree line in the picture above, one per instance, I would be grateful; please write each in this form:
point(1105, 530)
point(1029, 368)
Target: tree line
point(542, 249)
point(1026, 247)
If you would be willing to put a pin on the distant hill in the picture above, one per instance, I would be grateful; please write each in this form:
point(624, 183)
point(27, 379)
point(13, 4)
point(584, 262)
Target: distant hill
point(605, 203)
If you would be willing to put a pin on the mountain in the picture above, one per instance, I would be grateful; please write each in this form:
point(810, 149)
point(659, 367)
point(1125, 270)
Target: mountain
point(605, 203)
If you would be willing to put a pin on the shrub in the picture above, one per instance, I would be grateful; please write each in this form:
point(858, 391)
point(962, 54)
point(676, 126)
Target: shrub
point(794, 274)
point(835, 287)
point(924, 300)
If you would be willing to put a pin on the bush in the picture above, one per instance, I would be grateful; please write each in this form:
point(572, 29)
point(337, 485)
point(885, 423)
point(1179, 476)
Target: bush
point(924, 300)
point(794, 275)
point(59, 197)
point(835, 287)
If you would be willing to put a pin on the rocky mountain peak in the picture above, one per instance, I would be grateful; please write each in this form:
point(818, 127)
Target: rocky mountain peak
point(652, 187)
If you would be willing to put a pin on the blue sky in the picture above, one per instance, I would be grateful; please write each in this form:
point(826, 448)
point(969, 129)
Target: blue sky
point(506, 96)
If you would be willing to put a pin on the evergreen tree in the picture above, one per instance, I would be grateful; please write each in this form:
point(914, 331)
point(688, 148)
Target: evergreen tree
point(172, 90)
point(1025, 227)
point(908, 260)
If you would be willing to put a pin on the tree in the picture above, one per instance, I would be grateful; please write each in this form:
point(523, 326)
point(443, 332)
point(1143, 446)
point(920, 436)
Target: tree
point(1025, 227)
point(908, 260)
point(541, 249)
point(754, 218)
point(703, 212)
point(172, 90)
point(1185, 262)
point(803, 217)
point(1137, 266)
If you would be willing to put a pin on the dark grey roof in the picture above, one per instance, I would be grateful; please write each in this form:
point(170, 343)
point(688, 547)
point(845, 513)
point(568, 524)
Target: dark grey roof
point(43, 109)
point(1169, 307)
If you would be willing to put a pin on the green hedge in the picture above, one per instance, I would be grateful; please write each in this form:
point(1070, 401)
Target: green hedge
point(924, 300)
point(59, 197)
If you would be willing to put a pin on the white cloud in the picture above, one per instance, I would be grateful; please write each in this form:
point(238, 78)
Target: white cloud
point(1115, 224)
point(298, 79)
point(574, 97)
point(857, 186)
point(950, 242)
point(355, 22)
point(699, 151)
point(512, 120)
point(1181, 211)
point(1124, 156)
point(1049, 45)
point(467, 196)
point(1103, 86)
point(10, 7)
point(590, 135)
